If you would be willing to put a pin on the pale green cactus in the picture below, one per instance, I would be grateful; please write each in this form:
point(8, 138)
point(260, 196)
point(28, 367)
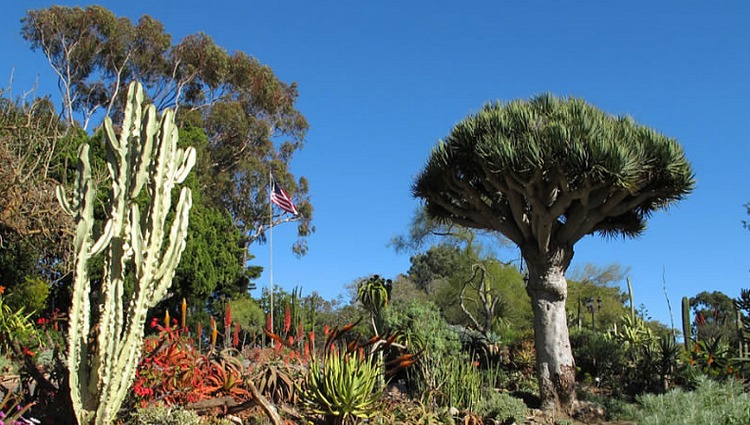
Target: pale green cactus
point(102, 365)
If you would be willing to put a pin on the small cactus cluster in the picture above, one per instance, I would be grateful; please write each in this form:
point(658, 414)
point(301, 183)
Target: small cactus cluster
point(145, 155)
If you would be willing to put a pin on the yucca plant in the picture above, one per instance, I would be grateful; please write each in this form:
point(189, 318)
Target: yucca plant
point(341, 388)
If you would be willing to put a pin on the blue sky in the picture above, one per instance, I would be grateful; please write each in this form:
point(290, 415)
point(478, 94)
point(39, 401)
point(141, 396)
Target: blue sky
point(381, 82)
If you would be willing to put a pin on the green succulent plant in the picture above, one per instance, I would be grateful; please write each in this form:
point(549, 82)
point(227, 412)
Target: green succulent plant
point(342, 388)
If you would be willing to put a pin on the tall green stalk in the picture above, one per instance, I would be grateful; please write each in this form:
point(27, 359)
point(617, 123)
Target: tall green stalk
point(102, 356)
point(686, 328)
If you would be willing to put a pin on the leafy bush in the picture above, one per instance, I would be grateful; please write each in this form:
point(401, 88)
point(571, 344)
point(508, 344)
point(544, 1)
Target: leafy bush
point(29, 295)
point(711, 403)
point(597, 357)
point(502, 407)
point(424, 328)
point(17, 330)
point(159, 414)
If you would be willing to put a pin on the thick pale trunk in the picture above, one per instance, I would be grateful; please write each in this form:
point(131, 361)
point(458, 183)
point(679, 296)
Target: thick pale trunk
point(554, 358)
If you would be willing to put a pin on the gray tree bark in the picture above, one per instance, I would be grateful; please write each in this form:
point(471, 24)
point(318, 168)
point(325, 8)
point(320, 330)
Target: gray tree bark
point(548, 290)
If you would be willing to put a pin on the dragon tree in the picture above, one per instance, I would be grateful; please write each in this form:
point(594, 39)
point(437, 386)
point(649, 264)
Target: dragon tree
point(544, 173)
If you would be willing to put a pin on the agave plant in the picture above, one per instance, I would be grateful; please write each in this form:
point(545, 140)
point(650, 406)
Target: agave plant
point(341, 388)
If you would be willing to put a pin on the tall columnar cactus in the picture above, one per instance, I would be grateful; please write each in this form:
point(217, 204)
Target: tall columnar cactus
point(102, 356)
point(632, 301)
point(687, 331)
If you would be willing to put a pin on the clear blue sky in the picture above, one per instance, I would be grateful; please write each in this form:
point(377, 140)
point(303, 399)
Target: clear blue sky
point(381, 82)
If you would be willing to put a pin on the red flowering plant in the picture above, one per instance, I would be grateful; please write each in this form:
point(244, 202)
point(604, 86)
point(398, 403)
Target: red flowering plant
point(171, 368)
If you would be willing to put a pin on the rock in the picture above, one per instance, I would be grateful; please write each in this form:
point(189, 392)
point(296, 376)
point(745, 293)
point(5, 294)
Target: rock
point(587, 411)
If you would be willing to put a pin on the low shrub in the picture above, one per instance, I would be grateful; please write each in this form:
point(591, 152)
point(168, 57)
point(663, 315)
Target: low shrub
point(711, 403)
point(159, 414)
point(502, 407)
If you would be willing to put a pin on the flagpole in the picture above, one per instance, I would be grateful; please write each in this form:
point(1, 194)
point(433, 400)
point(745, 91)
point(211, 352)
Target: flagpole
point(270, 243)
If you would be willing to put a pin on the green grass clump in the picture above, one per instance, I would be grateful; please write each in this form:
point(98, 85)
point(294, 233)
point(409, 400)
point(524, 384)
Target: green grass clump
point(711, 403)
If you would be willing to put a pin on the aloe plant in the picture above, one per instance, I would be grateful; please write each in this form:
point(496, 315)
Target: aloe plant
point(341, 388)
point(102, 356)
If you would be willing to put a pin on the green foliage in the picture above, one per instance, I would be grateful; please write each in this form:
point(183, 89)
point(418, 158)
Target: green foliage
point(212, 259)
point(715, 317)
point(16, 329)
point(416, 412)
point(502, 407)
point(451, 381)
point(424, 328)
point(233, 97)
point(687, 333)
point(595, 283)
point(443, 270)
point(31, 295)
point(711, 403)
point(374, 294)
point(160, 414)
point(558, 143)
point(248, 314)
point(341, 387)
point(437, 263)
point(598, 359)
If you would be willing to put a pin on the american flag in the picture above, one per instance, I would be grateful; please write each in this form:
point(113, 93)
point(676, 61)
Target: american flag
point(281, 198)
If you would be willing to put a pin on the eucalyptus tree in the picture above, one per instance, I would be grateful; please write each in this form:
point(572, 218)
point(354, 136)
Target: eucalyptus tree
point(247, 113)
point(546, 172)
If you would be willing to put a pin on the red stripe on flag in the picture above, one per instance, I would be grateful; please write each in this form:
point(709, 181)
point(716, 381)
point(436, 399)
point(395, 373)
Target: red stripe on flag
point(282, 199)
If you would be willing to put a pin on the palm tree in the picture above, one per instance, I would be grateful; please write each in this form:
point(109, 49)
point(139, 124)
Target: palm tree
point(545, 173)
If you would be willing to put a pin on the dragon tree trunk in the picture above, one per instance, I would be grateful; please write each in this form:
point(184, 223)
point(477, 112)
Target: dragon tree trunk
point(548, 290)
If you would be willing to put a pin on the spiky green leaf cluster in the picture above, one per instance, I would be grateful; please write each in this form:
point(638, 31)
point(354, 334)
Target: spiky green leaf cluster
point(374, 293)
point(341, 387)
point(512, 167)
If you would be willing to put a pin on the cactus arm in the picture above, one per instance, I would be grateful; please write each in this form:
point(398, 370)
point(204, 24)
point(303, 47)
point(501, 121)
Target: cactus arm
point(79, 315)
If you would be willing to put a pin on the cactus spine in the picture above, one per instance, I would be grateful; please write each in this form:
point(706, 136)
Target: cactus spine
point(145, 154)
point(687, 331)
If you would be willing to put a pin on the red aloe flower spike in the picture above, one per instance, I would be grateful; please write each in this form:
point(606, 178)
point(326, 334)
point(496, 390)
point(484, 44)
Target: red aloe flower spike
point(166, 320)
point(287, 319)
point(236, 335)
point(269, 325)
point(228, 316)
point(300, 331)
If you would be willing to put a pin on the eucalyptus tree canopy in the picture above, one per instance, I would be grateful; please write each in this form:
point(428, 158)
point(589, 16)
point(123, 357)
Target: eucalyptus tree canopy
point(247, 113)
point(545, 173)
